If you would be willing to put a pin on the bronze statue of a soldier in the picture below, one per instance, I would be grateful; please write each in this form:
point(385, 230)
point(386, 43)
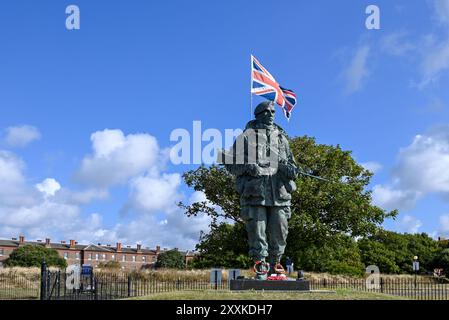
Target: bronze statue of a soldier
point(265, 171)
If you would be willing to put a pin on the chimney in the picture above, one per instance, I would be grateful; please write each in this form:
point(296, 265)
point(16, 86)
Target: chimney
point(72, 243)
point(139, 248)
point(119, 246)
point(21, 239)
point(47, 242)
point(62, 241)
point(158, 249)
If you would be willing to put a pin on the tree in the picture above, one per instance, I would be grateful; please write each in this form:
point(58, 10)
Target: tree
point(170, 259)
point(320, 210)
point(339, 256)
point(376, 253)
point(393, 252)
point(442, 260)
point(33, 256)
point(229, 241)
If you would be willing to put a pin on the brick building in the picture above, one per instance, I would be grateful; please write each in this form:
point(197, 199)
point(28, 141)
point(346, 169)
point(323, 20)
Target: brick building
point(135, 258)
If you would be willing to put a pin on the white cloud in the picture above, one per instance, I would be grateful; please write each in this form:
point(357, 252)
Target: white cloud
point(13, 187)
point(423, 165)
point(444, 225)
point(436, 60)
point(48, 209)
point(20, 136)
point(396, 44)
point(357, 70)
point(409, 224)
point(10, 169)
point(442, 11)
point(48, 187)
point(116, 158)
point(82, 197)
point(372, 166)
point(435, 51)
point(389, 198)
point(152, 194)
point(421, 169)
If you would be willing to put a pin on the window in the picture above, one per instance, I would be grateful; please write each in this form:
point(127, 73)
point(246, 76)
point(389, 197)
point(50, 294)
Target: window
point(66, 255)
point(2, 252)
point(144, 258)
point(134, 258)
point(104, 256)
point(90, 256)
point(123, 258)
point(113, 257)
point(96, 256)
point(77, 255)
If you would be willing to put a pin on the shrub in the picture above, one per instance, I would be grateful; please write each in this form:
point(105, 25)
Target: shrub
point(112, 265)
point(170, 259)
point(33, 256)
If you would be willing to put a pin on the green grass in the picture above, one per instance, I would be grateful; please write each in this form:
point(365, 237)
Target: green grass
point(339, 294)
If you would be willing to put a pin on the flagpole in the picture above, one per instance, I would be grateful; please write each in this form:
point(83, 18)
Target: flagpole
point(251, 89)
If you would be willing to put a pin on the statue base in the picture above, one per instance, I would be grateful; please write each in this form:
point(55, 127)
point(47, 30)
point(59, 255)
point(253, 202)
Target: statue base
point(267, 285)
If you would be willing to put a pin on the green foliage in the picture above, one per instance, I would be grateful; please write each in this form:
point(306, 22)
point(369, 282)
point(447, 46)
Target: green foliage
point(113, 265)
point(339, 256)
point(442, 260)
point(33, 256)
point(375, 253)
point(321, 210)
point(393, 252)
point(170, 259)
point(225, 246)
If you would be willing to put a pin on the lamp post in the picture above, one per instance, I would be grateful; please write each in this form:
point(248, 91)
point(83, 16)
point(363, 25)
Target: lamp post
point(415, 267)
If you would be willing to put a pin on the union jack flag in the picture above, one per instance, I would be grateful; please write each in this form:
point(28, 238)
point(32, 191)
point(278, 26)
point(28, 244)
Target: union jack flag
point(263, 84)
point(290, 102)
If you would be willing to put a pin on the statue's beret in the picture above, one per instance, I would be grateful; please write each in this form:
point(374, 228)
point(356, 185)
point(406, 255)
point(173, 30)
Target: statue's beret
point(261, 107)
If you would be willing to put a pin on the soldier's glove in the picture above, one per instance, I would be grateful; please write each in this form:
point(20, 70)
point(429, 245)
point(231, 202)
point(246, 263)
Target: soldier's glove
point(288, 171)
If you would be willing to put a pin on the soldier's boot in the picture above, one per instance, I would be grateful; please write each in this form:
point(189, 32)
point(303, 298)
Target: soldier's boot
point(261, 268)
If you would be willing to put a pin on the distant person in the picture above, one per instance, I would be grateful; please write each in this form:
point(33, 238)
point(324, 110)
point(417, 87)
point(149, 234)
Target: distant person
point(289, 264)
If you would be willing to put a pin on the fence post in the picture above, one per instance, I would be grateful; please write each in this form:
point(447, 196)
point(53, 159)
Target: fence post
point(381, 285)
point(58, 289)
point(129, 285)
point(43, 280)
point(216, 279)
point(95, 283)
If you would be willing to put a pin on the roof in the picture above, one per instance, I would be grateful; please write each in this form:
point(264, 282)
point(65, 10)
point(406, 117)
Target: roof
point(66, 246)
point(9, 243)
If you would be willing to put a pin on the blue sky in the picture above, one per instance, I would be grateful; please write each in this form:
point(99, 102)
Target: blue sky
point(136, 70)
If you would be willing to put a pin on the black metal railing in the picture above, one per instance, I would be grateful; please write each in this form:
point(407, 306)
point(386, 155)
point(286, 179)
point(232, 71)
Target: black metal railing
point(18, 285)
point(54, 285)
point(422, 289)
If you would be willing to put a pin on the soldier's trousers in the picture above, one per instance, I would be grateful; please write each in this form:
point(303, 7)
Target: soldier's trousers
point(267, 228)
